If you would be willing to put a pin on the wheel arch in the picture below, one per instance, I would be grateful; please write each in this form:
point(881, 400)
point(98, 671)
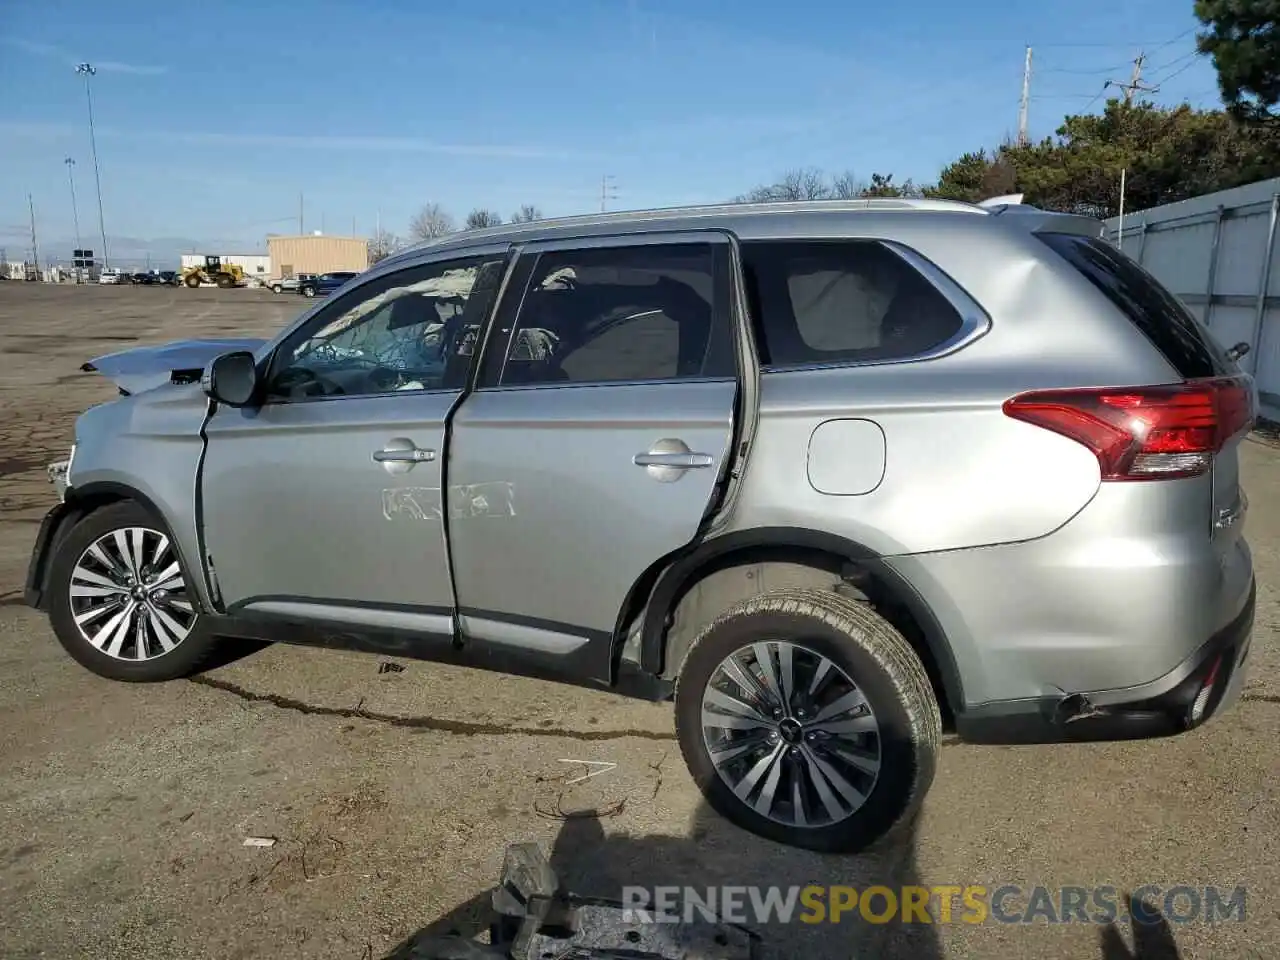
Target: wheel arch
point(80, 502)
point(829, 559)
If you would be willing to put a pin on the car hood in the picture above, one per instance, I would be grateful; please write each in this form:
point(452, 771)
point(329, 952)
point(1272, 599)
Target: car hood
point(144, 368)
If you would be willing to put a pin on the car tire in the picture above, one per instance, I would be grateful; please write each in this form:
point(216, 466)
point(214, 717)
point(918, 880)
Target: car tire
point(276, 288)
point(78, 564)
point(308, 291)
point(883, 767)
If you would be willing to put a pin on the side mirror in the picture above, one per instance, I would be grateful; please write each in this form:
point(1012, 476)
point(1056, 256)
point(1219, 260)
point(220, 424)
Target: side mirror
point(232, 378)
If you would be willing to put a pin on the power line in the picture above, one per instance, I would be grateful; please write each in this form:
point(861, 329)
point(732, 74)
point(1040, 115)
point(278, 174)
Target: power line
point(1087, 73)
point(1147, 44)
point(1182, 69)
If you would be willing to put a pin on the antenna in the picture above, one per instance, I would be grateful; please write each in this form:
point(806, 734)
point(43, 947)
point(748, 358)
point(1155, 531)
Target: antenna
point(1026, 99)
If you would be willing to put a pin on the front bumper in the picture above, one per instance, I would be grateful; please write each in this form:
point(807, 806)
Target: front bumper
point(58, 476)
point(1203, 686)
point(54, 523)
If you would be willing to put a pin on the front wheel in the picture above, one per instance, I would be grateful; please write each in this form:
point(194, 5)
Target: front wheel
point(120, 602)
point(192, 281)
point(806, 718)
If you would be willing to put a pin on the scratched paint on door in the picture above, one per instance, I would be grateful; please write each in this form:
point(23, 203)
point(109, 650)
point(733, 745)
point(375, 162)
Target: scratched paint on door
point(466, 501)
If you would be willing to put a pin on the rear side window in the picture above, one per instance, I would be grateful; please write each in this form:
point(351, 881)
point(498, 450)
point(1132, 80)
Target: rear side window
point(841, 301)
point(1171, 327)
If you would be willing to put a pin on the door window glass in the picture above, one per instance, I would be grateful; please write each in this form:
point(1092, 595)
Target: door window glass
point(617, 314)
point(411, 330)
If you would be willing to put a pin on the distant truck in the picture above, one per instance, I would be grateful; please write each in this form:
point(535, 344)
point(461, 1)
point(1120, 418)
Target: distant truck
point(325, 284)
point(290, 284)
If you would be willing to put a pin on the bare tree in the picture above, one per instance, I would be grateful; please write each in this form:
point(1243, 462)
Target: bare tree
point(526, 214)
point(382, 244)
point(847, 187)
point(430, 222)
point(801, 184)
point(479, 218)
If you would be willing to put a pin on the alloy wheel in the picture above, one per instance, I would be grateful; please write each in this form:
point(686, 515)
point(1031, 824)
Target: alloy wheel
point(129, 597)
point(791, 734)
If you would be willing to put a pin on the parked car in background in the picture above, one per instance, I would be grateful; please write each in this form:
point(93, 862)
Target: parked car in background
point(113, 275)
point(325, 284)
point(822, 473)
point(290, 284)
point(169, 278)
point(145, 279)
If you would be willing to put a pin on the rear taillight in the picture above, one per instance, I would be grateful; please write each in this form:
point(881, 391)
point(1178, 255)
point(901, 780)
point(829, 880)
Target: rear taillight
point(1145, 433)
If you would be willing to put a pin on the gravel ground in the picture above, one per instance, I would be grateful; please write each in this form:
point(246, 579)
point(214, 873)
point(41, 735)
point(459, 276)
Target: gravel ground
point(123, 808)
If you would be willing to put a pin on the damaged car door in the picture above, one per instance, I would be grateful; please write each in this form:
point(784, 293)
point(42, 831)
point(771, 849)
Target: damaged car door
point(322, 505)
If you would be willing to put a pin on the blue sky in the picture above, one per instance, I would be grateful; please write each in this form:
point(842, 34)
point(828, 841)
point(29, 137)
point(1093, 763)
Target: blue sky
point(211, 120)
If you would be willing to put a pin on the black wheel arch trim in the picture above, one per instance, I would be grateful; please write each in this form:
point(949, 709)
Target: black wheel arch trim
point(678, 576)
point(79, 503)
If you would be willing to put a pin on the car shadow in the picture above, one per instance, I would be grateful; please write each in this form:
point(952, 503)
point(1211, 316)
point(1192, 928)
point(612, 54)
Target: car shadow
point(229, 650)
point(714, 854)
point(1152, 939)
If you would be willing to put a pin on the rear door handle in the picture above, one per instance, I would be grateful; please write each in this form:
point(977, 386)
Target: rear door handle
point(415, 455)
point(682, 461)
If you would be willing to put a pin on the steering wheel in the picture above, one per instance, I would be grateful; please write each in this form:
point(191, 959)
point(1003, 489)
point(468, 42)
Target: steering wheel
point(304, 379)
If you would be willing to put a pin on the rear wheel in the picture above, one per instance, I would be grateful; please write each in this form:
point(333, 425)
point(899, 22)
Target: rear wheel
point(308, 291)
point(225, 280)
point(806, 718)
point(276, 288)
point(119, 599)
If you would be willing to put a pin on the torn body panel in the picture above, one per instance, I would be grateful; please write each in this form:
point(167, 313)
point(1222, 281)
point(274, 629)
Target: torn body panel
point(144, 368)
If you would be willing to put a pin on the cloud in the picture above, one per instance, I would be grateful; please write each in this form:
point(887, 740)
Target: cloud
point(366, 143)
point(40, 131)
point(136, 69)
point(102, 66)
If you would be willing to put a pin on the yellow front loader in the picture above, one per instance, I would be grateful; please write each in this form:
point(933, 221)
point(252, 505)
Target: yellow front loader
point(214, 271)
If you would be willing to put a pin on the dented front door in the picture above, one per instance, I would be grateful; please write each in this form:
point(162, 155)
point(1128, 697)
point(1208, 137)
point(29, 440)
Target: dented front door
point(332, 510)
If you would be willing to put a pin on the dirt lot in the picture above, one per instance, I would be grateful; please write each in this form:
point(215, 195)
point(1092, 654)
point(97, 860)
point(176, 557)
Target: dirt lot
point(123, 808)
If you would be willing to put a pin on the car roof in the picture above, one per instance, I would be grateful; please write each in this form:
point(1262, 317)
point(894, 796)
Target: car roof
point(745, 220)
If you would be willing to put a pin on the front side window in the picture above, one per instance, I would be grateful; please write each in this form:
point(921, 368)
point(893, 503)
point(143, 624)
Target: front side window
point(841, 301)
point(615, 314)
point(411, 330)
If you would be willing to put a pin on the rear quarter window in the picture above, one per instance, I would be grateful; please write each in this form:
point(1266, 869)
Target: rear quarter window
point(1172, 329)
point(841, 301)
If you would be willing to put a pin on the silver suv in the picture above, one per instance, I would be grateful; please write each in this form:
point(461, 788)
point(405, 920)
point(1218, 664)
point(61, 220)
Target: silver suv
point(827, 474)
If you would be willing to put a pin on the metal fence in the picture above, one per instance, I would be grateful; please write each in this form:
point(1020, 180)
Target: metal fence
point(1218, 254)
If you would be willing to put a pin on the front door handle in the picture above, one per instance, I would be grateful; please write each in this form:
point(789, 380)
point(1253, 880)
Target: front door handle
point(682, 461)
point(414, 455)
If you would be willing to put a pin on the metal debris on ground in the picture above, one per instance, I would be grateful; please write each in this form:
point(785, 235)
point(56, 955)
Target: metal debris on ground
point(388, 666)
point(535, 918)
point(259, 841)
point(594, 768)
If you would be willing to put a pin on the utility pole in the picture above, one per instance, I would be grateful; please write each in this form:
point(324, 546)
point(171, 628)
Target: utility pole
point(75, 215)
point(1026, 98)
point(608, 190)
point(1135, 81)
point(35, 247)
point(87, 71)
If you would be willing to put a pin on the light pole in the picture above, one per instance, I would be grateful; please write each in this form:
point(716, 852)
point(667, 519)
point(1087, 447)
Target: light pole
point(75, 213)
point(87, 71)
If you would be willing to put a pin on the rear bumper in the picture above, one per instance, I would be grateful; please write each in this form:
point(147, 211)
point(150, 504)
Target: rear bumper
point(1203, 686)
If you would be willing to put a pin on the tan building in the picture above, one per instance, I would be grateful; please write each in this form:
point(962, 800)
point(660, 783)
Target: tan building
point(316, 253)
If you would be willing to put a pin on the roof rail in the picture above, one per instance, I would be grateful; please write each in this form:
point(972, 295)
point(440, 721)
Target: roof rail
point(1008, 199)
